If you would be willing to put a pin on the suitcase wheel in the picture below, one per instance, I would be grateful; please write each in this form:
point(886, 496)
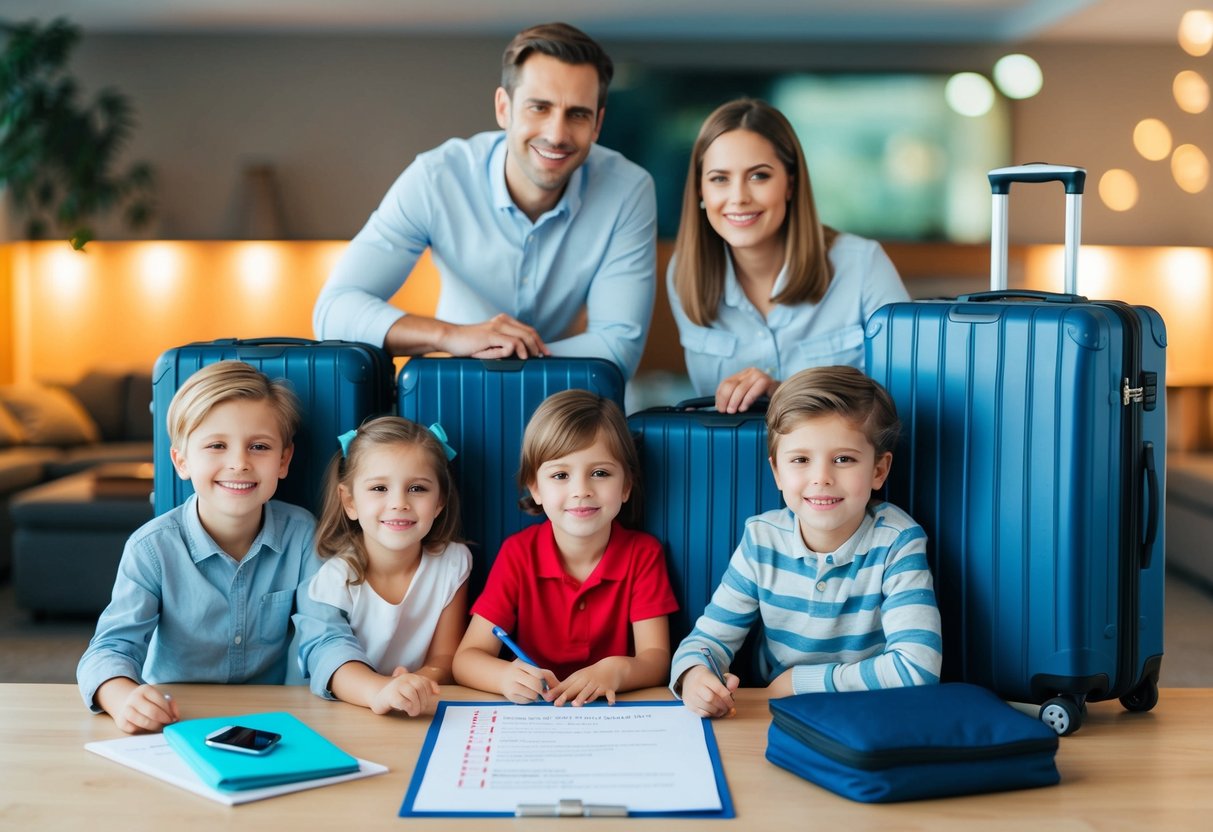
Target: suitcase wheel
point(1142, 698)
point(1062, 714)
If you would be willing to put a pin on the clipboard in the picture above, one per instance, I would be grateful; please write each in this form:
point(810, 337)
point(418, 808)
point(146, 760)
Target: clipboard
point(438, 761)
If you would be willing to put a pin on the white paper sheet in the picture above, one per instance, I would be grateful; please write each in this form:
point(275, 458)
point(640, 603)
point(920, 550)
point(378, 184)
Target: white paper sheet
point(493, 757)
point(151, 754)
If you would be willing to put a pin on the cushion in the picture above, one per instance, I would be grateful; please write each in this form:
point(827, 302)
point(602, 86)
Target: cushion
point(11, 432)
point(103, 394)
point(137, 420)
point(49, 415)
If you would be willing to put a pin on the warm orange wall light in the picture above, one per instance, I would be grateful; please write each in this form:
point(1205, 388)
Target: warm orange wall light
point(122, 304)
point(1178, 282)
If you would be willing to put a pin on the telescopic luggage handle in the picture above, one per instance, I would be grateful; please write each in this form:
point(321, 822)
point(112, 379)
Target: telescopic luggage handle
point(1073, 178)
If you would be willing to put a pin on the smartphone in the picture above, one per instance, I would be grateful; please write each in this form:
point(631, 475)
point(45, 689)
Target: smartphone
point(244, 740)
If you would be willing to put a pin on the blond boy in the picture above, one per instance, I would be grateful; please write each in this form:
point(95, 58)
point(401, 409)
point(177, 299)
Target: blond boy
point(205, 592)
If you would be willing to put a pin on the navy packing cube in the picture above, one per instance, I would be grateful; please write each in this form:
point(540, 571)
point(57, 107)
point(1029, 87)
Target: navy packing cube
point(705, 474)
point(339, 385)
point(884, 746)
point(484, 406)
point(1033, 451)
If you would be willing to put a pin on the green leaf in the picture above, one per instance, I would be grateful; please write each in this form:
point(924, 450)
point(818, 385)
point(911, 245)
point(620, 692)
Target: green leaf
point(59, 156)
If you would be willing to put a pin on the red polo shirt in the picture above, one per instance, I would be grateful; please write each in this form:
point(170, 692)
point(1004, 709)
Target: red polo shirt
point(565, 625)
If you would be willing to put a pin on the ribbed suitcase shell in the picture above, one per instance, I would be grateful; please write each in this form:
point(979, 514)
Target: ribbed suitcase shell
point(484, 406)
point(339, 385)
point(705, 474)
point(1026, 467)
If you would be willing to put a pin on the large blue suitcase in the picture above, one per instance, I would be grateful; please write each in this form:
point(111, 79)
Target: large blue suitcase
point(1034, 437)
point(484, 407)
point(705, 474)
point(339, 385)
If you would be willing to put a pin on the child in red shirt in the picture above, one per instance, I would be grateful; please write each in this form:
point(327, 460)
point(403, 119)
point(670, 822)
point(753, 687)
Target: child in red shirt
point(585, 599)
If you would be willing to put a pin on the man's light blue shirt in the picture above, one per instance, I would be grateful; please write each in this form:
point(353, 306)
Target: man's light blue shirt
point(596, 249)
point(185, 611)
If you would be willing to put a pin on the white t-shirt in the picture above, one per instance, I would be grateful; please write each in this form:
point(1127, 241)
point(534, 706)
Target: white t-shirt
point(395, 634)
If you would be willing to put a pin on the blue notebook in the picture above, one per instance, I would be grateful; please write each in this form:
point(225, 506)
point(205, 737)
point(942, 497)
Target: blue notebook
point(302, 754)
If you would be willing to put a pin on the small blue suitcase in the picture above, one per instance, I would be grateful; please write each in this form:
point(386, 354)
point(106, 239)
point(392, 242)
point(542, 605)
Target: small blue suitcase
point(484, 406)
point(705, 474)
point(1033, 450)
point(339, 385)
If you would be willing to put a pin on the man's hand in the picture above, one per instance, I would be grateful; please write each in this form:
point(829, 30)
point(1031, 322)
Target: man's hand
point(499, 337)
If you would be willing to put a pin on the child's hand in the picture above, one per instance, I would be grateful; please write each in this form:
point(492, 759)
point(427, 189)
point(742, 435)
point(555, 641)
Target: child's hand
point(703, 693)
point(406, 692)
point(781, 685)
point(523, 683)
point(146, 710)
point(602, 678)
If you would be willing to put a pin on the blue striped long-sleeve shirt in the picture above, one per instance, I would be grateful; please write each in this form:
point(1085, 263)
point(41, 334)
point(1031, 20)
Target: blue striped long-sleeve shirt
point(860, 618)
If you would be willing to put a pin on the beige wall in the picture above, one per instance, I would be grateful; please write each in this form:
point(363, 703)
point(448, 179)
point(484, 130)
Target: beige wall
point(1092, 99)
point(340, 117)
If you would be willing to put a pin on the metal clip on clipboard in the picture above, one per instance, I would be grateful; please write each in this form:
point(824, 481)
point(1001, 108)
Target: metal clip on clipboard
point(569, 809)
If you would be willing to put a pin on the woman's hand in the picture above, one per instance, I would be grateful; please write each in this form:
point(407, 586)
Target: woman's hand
point(740, 390)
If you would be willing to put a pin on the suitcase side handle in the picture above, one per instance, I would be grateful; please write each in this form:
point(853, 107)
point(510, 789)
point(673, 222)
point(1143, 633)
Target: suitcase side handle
point(1153, 504)
point(1025, 294)
point(258, 342)
point(1074, 179)
point(709, 403)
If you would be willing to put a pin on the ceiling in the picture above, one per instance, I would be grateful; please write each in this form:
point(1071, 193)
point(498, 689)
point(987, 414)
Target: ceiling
point(811, 20)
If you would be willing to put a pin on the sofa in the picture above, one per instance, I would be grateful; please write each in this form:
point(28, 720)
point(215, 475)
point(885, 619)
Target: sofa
point(49, 431)
point(1190, 515)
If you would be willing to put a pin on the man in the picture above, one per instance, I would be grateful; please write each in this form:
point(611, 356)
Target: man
point(526, 225)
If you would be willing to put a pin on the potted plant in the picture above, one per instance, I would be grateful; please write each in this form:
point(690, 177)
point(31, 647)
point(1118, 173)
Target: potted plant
point(59, 155)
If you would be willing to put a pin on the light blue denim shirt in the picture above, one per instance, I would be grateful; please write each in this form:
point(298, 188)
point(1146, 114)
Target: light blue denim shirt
point(791, 338)
point(185, 611)
point(597, 248)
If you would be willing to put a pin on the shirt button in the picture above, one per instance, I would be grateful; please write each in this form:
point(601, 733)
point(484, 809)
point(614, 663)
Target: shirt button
point(581, 606)
point(237, 639)
point(829, 558)
point(821, 586)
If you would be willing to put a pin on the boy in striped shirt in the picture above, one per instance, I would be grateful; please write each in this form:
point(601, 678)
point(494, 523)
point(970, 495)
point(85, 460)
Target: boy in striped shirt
point(840, 581)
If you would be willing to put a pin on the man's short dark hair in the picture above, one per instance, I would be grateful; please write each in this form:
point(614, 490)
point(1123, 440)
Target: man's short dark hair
point(564, 43)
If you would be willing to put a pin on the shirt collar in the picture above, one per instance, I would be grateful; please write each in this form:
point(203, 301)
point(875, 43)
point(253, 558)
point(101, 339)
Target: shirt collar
point(203, 546)
point(570, 200)
point(845, 553)
point(612, 567)
point(733, 294)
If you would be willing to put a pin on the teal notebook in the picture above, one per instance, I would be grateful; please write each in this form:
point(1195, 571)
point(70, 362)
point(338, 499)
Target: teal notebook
point(302, 754)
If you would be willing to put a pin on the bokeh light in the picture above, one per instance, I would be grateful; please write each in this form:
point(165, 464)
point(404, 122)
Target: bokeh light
point(1152, 139)
point(1191, 91)
point(1190, 168)
point(1018, 76)
point(969, 94)
point(1118, 189)
point(1196, 32)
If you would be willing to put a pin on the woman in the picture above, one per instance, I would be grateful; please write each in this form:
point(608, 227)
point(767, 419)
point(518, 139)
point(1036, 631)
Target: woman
point(759, 287)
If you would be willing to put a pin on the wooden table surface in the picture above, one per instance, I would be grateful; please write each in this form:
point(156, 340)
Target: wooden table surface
point(1121, 771)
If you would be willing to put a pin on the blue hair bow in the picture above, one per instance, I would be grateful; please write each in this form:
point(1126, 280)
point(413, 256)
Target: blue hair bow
point(436, 429)
point(345, 439)
point(440, 434)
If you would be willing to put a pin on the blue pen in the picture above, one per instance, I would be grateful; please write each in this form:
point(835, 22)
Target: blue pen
point(517, 651)
point(715, 668)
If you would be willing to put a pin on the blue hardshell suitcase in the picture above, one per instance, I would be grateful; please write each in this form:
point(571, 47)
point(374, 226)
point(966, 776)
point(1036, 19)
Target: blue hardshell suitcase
point(339, 385)
point(705, 474)
point(1033, 449)
point(484, 406)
